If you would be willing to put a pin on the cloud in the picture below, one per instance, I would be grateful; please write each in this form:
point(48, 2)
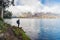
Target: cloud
point(25, 6)
point(32, 3)
point(34, 6)
point(54, 9)
point(51, 6)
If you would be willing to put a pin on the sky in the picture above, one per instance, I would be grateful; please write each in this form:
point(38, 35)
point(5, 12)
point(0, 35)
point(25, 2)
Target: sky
point(35, 6)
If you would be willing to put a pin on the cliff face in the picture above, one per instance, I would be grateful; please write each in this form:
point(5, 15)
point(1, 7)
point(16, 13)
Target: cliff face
point(8, 32)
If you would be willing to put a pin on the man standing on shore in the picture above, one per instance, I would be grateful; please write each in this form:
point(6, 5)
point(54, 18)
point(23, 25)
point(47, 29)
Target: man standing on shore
point(18, 22)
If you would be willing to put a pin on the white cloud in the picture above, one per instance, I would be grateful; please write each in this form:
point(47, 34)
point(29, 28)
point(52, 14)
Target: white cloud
point(25, 6)
point(16, 10)
point(53, 9)
point(33, 6)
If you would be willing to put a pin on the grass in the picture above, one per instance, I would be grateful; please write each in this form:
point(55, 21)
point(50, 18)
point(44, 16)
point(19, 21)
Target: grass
point(2, 28)
point(18, 32)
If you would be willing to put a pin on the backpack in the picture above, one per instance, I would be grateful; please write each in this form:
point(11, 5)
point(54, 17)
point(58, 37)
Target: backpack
point(18, 22)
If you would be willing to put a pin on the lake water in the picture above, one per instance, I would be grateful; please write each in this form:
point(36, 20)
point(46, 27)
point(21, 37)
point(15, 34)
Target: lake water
point(39, 29)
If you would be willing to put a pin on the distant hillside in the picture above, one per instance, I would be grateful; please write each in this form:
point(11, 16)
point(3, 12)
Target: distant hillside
point(38, 15)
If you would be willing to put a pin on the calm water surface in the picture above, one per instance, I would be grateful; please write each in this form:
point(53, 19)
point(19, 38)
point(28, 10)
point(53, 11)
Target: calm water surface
point(39, 29)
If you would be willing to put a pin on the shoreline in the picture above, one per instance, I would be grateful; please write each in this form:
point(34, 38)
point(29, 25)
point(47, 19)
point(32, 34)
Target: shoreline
point(33, 18)
point(12, 32)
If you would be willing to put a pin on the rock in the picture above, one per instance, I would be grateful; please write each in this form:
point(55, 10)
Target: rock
point(2, 34)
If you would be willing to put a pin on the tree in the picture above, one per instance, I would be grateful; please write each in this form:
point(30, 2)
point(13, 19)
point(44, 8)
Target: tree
point(3, 5)
point(7, 14)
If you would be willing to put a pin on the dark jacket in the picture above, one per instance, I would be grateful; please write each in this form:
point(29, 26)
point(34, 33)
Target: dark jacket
point(18, 22)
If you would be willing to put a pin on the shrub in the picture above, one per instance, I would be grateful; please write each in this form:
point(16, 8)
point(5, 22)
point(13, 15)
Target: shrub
point(1, 19)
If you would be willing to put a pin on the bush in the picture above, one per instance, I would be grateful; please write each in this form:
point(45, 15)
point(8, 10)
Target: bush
point(1, 19)
point(7, 14)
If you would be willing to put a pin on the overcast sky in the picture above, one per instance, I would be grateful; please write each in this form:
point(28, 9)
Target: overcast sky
point(35, 6)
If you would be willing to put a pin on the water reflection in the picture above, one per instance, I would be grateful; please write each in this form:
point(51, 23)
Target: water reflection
point(39, 29)
point(49, 29)
point(30, 26)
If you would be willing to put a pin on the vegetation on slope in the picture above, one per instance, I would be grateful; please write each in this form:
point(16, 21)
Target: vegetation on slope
point(8, 32)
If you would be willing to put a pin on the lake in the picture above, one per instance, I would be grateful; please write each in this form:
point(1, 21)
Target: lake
point(39, 29)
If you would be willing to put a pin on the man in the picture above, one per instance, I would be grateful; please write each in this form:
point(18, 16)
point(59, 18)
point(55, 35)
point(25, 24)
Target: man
point(18, 22)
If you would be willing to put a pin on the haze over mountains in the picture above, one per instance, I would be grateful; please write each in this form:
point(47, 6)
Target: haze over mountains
point(35, 6)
